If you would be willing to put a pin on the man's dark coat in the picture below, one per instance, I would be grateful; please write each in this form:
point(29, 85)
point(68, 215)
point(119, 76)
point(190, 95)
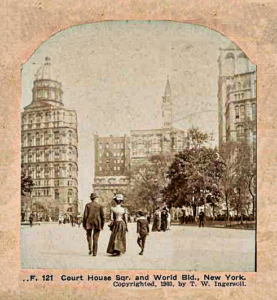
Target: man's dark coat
point(93, 216)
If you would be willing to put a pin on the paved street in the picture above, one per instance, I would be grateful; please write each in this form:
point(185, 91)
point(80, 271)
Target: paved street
point(181, 248)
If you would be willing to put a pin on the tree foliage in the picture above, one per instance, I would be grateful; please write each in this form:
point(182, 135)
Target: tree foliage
point(238, 178)
point(194, 174)
point(26, 183)
point(147, 180)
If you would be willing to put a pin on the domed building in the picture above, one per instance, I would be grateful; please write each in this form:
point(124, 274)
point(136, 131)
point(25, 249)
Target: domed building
point(49, 143)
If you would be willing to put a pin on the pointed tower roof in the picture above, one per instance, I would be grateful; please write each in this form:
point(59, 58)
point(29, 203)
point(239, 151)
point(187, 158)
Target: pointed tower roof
point(167, 92)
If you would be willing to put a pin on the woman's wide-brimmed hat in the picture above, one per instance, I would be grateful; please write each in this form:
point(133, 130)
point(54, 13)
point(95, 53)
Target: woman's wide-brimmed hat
point(118, 197)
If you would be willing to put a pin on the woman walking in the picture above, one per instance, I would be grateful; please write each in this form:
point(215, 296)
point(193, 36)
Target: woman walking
point(117, 243)
point(164, 220)
point(157, 220)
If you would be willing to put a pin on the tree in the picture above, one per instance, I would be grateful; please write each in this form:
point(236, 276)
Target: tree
point(26, 182)
point(238, 175)
point(147, 181)
point(194, 174)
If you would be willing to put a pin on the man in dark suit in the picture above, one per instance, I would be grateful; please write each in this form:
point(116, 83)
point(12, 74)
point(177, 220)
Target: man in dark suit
point(142, 230)
point(201, 218)
point(93, 220)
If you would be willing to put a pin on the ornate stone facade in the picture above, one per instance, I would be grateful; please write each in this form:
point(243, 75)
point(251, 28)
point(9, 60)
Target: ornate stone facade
point(236, 97)
point(49, 143)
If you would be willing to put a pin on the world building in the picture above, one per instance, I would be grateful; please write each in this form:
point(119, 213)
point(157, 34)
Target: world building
point(49, 150)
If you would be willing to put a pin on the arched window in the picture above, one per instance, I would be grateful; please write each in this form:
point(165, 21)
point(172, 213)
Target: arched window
point(242, 63)
point(229, 63)
point(237, 112)
point(242, 113)
point(253, 106)
point(254, 141)
point(240, 133)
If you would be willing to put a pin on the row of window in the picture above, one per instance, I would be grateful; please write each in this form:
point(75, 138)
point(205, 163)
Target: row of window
point(115, 168)
point(43, 125)
point(111, 181)
point(56, 183)
point(116, 154)
point(240, 112)
point(48, 94)
point(37, 118)
point(41, 192)
point(107, 145)
point(115, 161)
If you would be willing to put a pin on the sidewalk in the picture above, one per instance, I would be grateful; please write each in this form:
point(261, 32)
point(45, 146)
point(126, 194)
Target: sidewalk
point(247, 225)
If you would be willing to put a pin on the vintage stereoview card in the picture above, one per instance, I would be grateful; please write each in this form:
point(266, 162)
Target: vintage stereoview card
point(147, 144)
point(138, 150)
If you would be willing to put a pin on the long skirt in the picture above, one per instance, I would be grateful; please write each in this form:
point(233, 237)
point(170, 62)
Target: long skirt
point(164, 224)
point(156, 224)
point(117, 241)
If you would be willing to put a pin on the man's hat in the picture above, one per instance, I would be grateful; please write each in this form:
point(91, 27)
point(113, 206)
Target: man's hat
point(93, 196)
point(141, 213)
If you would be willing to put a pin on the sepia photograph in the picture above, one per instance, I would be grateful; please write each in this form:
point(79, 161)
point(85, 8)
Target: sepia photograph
point(138, 150)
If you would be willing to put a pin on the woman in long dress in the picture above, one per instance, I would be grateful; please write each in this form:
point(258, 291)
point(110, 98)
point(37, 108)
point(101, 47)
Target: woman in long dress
point(117, 243)
point(164, 220)
point(157, 220)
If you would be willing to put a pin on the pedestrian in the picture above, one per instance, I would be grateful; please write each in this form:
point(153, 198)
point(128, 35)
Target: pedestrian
point(31, 218)
point(142, 230)
point(168, 220)
point(164, 220)
point(72, 221)
point(148, 218)
point(157, 220)
point(117, 243)
point(60, 220)
point(201, 218)
point(93, 220)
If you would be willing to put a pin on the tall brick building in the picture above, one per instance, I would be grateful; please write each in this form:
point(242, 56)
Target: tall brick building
point(49, 149)
point(112, 165)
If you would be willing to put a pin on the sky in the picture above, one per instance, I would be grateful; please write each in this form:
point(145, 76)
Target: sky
point(114, 75)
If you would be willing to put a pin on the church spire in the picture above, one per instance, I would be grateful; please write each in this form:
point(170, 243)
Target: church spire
point(167, 92)
point(167, 106)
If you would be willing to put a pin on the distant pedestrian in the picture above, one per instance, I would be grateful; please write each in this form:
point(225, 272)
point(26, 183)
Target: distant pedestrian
point(157, 220)
point(60, 220)
point(72, 221)
point(142, 230)
point(164, 215)
point(31, 218)
point(201, 218)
